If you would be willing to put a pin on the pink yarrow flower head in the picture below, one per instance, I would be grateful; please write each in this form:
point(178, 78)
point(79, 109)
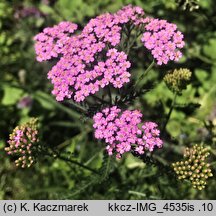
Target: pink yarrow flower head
point(72, 79)
point(91, 60)
point(79, 73)
point(23, 142)
point(123, 131)
point(163, 40)
point(50, 42)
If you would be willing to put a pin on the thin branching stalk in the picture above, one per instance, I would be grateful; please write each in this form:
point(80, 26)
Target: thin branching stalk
point(77, 163)
point(66, 159)
point(149, 160)
point(144, 74)
point(110, 95)
point(100, 99)
point(169, 114)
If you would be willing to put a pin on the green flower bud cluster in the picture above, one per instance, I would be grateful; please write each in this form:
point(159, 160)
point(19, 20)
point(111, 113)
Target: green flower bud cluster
point(23, 143)
point(178, 79)
point(194, 167)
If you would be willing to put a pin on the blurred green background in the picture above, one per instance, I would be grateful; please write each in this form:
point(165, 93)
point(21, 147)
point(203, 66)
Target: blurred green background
point(25, 92)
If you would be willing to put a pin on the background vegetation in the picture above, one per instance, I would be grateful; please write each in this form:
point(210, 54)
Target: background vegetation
point(25, 92)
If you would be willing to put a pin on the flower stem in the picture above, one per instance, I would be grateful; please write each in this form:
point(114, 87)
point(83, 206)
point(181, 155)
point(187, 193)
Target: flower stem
point(169, 114)
point(110, 95)
point(144, 74)
point(77, 163)
point(57, 155)
point(149, 160)
point(77, 107)
point(100, 99)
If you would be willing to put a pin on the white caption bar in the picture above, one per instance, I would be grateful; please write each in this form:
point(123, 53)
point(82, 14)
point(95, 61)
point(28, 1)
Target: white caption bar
point(107, 207)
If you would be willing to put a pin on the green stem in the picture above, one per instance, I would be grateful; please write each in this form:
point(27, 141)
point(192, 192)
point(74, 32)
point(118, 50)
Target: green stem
point(60, 106)
point(164, 169)
point(128, 34)
point(77, 106)
point(169, 114)
point(100, 99)
point(137, 193)
point(110, 95)
point(128, 91)
point(106, 171)
point(130, 44)
point(204, 59)
point(77, 163)
point(144, 74)
point(57, 155)
point(103, 175)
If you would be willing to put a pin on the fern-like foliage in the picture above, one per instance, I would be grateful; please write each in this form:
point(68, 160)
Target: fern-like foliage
point(92, 180)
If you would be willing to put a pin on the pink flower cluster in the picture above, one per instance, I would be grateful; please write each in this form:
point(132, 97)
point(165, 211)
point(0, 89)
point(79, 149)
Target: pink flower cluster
point(51, 41)
point(122, 132)
point(164, 40)
point(72, 78)
point(107, 27)
point(85, 64)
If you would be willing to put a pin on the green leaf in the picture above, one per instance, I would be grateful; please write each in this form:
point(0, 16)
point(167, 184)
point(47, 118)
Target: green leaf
point(48, 102)
point(68, 9)
point(132, 162)
point(210, 48)
point(1, 144)
point(201, 75)
point(45, 101)
point(11, 95)
point(46, 9)
point(174, 128)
